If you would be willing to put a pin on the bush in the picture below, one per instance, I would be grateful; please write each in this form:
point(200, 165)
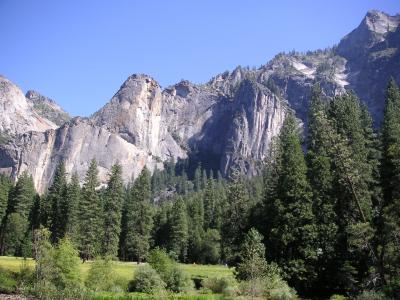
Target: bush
point(146, 280)
point(174, 277)
point(101, 276)
point(224, 285)
point(67, 263)
point(178, 281)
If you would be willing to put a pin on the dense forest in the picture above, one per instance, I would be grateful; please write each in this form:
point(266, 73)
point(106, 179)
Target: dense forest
point(326, 210)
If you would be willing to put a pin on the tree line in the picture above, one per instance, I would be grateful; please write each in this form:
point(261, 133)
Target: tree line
point(329, 216)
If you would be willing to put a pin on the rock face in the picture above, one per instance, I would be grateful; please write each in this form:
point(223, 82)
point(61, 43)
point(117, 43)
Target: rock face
point(229, 121)
point(17, 115)
point(47, 108)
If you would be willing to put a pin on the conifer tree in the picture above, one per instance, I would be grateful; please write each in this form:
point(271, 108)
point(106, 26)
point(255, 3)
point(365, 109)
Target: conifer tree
point(352, 181)
point(5, 189)
point(390, 212)
point(112, 212)
point(139, 218)
point(196, 224)
point(179, 235)
point(73, 196)
point(57, 199)
point(292, 232)
point(90, 215)
point(320, 174)
point(210, 205)
point(235, 219)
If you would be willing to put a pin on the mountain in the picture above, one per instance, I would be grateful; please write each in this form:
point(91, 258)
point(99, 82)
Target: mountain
point(226, 123)
point(16, 112)
point(47, 108)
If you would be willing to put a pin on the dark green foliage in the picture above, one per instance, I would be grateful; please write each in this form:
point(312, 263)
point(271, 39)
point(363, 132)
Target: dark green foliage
point(73, 197)
point(291, 235)
point(235, 219)
point(59, 205)
point(179, 235)
point(5, 189)
point(146, 280)
point(389, 228)
point(114, 196)
point(138, 215)
point(90, 215)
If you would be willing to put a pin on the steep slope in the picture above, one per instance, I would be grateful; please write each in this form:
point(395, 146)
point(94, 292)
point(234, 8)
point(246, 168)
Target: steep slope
point(47, 108)
point(226, 123)
point(17, 115)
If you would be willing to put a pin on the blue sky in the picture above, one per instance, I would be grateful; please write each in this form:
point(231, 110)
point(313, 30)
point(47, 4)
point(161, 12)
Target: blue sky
point(80, 52)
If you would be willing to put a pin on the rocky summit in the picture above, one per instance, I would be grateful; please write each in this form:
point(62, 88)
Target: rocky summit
point(229, 121)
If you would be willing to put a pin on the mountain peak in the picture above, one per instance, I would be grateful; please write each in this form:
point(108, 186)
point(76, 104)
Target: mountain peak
point(380, 22)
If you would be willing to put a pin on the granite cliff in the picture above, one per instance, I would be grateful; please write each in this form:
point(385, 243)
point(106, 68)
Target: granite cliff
point(230, 120)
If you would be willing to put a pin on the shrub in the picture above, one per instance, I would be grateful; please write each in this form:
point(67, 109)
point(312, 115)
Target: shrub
point(146, 280)
point(101, 276)
point(174, 277)
point(67, 263)
point(224, 285)
point(178, 281)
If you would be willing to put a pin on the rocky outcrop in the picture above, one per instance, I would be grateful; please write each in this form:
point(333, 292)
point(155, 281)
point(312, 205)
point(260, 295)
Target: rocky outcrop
point(17, 115)
point(47, 108)
point(228, 122)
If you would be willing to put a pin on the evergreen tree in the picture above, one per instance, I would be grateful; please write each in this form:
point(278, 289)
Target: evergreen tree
point(139, 218)
point(389, 228)
point(320, 174)
point(235, 218)
point(112, 212)
point(90, 215)
point(73, 196)
point(5, 189)
point(292, 232)
point(252, 257)
point(196, 224)
point(352, 182)
point(57, 198)
point(179, 234)
point(23, 195)
point(211, 218)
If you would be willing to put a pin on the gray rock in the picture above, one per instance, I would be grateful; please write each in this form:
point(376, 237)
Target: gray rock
point(230, 120)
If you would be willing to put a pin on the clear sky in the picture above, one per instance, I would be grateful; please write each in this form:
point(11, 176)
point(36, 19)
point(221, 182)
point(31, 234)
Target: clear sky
point(80, 52)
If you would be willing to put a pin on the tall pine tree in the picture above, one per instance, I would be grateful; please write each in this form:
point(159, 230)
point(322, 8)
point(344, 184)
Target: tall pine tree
point(292, 233)
point(139, 218)
point(90, 215)
point(112, 212)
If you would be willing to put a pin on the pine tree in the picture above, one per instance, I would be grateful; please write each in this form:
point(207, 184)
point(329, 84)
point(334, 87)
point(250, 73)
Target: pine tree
point(139, 218)
point(235, 219)
point(352, 181)
point(73, 196)
point(5, 189)
point(16, 223)
point(57, 198)
point(179, 234)
point(210, 205)
point(252, 257)
point(320, 174)
point(390, 169)
point(196, 224)
point(112, 212)
point(292, 233)
point(90, 215)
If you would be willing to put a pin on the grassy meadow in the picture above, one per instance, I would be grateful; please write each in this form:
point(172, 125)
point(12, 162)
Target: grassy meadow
point(124, 269)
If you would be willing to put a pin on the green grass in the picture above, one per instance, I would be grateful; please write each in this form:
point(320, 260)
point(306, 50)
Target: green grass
point(125, 269)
